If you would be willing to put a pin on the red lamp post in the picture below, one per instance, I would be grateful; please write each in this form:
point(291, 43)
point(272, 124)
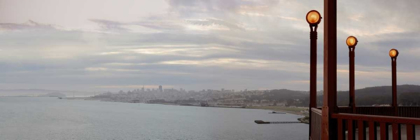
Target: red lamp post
point(313, 18)
point(393, 53)
point(351, 42)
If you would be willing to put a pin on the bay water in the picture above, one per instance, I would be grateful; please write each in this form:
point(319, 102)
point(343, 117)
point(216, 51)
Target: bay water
point(47, 118)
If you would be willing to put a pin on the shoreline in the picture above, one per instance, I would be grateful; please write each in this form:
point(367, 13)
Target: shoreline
point(299, 111)
point(283, 109)
point(289, 110)
point(304, 117)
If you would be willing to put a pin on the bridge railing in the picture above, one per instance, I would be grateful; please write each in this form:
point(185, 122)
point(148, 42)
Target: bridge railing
point(350, 122)
point(316, 118)
point(403, 111)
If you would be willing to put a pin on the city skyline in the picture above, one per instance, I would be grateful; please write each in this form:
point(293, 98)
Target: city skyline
point(100, 46)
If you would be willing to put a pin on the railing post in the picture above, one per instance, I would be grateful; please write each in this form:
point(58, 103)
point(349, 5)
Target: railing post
point(341, 133)
point(411, 133)
point(350, 130)
point(372, 131)
point(396, 131)
point(329, 125)
point(362, 131)
point(384, 131)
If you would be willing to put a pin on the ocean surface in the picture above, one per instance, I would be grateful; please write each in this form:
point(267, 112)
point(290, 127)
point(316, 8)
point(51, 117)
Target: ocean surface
point(45, 118)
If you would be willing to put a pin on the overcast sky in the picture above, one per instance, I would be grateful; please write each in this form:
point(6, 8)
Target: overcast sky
point(100, 45)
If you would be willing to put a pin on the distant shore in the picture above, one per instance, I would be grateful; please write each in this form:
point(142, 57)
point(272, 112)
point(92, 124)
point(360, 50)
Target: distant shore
point(290, 110)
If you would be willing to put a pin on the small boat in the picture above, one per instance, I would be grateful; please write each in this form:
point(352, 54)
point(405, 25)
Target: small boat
point(60, 97)
point(261, 122)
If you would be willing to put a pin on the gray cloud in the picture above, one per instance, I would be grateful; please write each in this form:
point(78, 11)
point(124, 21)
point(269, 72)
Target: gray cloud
point(25, 26)
point(210, 44)
point(210, 22)
point(109, 25)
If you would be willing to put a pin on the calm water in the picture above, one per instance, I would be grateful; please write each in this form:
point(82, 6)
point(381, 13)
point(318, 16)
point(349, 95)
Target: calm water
point(24, 118)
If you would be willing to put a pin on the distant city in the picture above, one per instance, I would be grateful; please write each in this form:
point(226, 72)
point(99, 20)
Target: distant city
point(409, 95)
point(205, 97)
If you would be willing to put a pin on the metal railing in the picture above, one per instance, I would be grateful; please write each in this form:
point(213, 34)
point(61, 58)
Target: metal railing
point(350, 122)
point(413, 112)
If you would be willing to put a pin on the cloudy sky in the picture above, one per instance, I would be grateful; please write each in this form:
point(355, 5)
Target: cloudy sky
point(100, 45)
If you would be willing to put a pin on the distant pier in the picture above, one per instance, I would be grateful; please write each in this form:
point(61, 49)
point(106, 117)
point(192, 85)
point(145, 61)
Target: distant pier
point(282, 122)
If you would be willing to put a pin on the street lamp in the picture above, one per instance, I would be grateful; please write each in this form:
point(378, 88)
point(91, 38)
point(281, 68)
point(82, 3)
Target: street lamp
point(313, 18)
point(351, 42)
point(393, 53)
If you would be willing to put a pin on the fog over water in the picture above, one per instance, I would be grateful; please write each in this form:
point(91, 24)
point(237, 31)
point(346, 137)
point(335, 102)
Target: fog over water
point(41, 118)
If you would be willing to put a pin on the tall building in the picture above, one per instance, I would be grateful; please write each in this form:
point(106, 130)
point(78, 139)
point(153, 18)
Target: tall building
point(160, 88)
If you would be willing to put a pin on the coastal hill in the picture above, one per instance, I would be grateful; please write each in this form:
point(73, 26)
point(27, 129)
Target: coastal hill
point(407, 95)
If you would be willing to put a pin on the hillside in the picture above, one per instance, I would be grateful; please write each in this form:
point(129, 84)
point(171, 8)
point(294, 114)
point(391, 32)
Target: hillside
point(407, 95)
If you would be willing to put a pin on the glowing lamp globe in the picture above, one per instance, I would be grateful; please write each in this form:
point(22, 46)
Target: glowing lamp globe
point(393, 53)
point(313, 17)
point(351, 41)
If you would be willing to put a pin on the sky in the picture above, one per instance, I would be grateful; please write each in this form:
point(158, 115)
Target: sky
point(109, 45)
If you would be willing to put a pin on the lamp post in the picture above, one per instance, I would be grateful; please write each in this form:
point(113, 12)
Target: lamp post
point(351, 42)
point(313, 18)
point(393, 53)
